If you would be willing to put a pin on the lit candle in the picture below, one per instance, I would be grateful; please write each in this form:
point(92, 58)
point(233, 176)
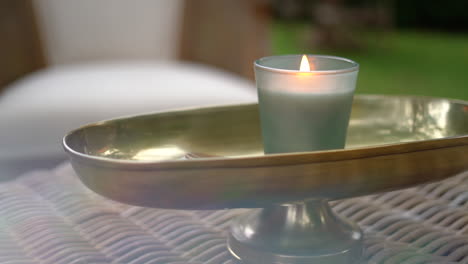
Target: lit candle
point(305, 105)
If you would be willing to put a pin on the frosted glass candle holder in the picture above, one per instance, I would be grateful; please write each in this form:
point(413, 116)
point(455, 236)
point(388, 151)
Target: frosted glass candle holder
point(304, 110)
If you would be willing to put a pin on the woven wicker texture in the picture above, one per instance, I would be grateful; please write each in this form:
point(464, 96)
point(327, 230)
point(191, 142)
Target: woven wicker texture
point(50, 217)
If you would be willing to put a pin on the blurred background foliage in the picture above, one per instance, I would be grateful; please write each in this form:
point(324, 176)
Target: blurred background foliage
point(404, 47)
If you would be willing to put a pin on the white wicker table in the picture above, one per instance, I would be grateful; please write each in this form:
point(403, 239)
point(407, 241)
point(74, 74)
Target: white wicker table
point(50, 217)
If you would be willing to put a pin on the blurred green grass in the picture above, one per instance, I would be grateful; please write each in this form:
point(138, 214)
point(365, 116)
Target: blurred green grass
point(400, 62)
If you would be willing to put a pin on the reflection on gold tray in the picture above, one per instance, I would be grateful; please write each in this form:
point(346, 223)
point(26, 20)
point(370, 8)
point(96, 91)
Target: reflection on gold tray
point(212, 157)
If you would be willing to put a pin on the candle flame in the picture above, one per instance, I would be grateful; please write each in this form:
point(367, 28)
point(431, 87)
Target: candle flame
point(305, 66)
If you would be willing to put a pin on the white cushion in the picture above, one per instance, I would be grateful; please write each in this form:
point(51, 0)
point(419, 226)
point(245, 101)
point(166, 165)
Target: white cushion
point(37, 111)
point(89, 30)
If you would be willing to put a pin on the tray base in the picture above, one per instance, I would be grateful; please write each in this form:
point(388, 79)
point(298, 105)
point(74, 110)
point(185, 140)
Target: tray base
point(306, 232)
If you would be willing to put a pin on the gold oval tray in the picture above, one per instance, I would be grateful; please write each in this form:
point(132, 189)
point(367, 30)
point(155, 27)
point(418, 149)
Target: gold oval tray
point(210, 158)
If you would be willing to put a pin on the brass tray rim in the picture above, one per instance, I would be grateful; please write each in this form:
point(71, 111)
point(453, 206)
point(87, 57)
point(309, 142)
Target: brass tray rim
point(236, 162)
